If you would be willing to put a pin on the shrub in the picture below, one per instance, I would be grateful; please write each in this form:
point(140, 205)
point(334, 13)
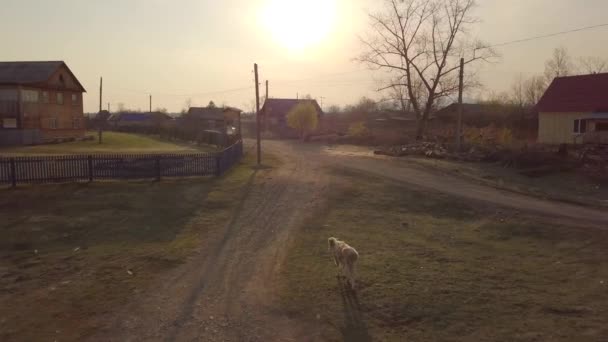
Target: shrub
point(358, 130)
point(303, 118)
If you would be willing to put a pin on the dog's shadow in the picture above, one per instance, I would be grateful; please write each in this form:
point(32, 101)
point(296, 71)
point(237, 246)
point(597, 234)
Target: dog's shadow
point(354, 328)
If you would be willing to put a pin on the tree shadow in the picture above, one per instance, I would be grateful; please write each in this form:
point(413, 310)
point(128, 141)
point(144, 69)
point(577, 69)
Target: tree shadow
point(354, 328)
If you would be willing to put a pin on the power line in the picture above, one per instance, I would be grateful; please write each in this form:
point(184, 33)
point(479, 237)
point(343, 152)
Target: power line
point(523, 40)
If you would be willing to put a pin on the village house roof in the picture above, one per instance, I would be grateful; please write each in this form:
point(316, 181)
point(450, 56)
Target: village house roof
point(586, 93)
point(283, 106)
point(31, 73)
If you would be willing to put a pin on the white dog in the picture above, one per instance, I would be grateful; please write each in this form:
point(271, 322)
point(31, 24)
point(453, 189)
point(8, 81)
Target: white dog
point(344, 256)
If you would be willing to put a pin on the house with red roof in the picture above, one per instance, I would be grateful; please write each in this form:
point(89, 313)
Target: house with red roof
point(574, 110)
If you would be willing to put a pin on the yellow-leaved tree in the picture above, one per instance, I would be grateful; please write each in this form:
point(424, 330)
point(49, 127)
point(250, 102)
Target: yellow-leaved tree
point(303, 118)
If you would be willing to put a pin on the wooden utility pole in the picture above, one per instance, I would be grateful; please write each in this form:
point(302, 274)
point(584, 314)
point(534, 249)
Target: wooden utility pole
point(321, 104)
point(257, 111)
point(100, 92)
point(99, 120)
point(150, 103)
point(460, 89)
point(265, 113)
point(108, 107)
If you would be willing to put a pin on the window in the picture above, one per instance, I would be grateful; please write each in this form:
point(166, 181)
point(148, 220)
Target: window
point(74, 99)
point(53, 124)
point(76, 123)
point(601, 126)
point(30, 96)
point(60, 98)
point(45, 97)
point(580, 126)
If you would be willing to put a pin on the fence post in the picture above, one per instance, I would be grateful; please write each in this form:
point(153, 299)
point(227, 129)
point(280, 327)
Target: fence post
point(90, 160)
point(157, 168)
point(13, 173)
point(218, 168)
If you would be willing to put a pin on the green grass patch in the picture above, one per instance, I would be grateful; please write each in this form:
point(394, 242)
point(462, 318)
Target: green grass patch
point(434, 268)
point(73, 254)
point(113, 142)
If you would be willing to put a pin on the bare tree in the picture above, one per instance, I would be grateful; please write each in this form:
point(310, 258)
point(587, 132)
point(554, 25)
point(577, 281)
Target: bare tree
point(593, 65)
point(420, 42)
point(534, 88)
point(517, 95)
point(559, 65)
point(334, 109)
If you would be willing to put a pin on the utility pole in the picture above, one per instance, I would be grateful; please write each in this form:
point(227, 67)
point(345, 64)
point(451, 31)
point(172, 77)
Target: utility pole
point(100, 122)
point(108, 107)
point(257, 111)
point(265, 113)
point(460, 89)
point(150, 103)
point(322, 98)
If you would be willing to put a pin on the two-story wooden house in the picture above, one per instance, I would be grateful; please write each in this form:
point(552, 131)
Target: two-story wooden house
point(39, 101)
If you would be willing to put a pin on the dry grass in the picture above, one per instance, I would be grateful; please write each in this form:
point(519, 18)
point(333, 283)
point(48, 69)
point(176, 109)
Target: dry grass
point(570, 186)
point(113, 142)
point(433, 268)
point(72, 254)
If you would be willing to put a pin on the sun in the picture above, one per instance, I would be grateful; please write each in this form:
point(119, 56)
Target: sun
point(298, 24)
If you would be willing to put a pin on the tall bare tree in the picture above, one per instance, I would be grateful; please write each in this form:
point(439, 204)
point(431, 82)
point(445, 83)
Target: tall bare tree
point(559, 65)
point(517, 95)
point(534, 88)
point(593, 65)
point(420, 43)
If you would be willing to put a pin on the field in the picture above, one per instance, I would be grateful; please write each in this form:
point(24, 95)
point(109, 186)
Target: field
point(71, 255)
point(113, 142)
point(436, 268)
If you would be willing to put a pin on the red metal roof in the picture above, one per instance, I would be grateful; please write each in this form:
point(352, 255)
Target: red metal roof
point(586, 93)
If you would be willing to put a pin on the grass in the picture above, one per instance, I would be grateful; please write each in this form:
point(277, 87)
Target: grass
point(113, 142)
point(434, 268)
point(72, 254)
point(568, 186)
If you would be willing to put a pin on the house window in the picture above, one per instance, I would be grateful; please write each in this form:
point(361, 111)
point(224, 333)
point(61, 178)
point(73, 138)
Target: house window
point(53, 123)
point(76, 123)
point(601, 126)
point(60, 98)
point(580, 126)
point(74, 99)
point(45, 97)
point(30, 96)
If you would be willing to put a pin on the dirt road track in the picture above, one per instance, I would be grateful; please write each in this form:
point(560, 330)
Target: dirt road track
point(226, 293)
point(401, 171)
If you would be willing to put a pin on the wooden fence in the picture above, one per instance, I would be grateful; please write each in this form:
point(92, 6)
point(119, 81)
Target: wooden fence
point(87, 168)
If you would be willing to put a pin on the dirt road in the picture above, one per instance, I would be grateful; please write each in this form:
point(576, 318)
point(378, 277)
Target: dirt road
point(226, 293)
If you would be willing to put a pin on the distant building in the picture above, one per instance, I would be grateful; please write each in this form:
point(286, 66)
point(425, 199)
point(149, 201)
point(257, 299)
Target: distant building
point(39, 101)
point(274, 113)
point(574, 110)
point(225, 120)
point(138, 119)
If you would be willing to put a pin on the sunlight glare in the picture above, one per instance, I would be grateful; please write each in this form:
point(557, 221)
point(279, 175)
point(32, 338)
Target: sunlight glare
point(298, 24)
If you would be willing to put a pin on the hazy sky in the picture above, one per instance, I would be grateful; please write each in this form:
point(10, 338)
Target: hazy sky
point(198, 49)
